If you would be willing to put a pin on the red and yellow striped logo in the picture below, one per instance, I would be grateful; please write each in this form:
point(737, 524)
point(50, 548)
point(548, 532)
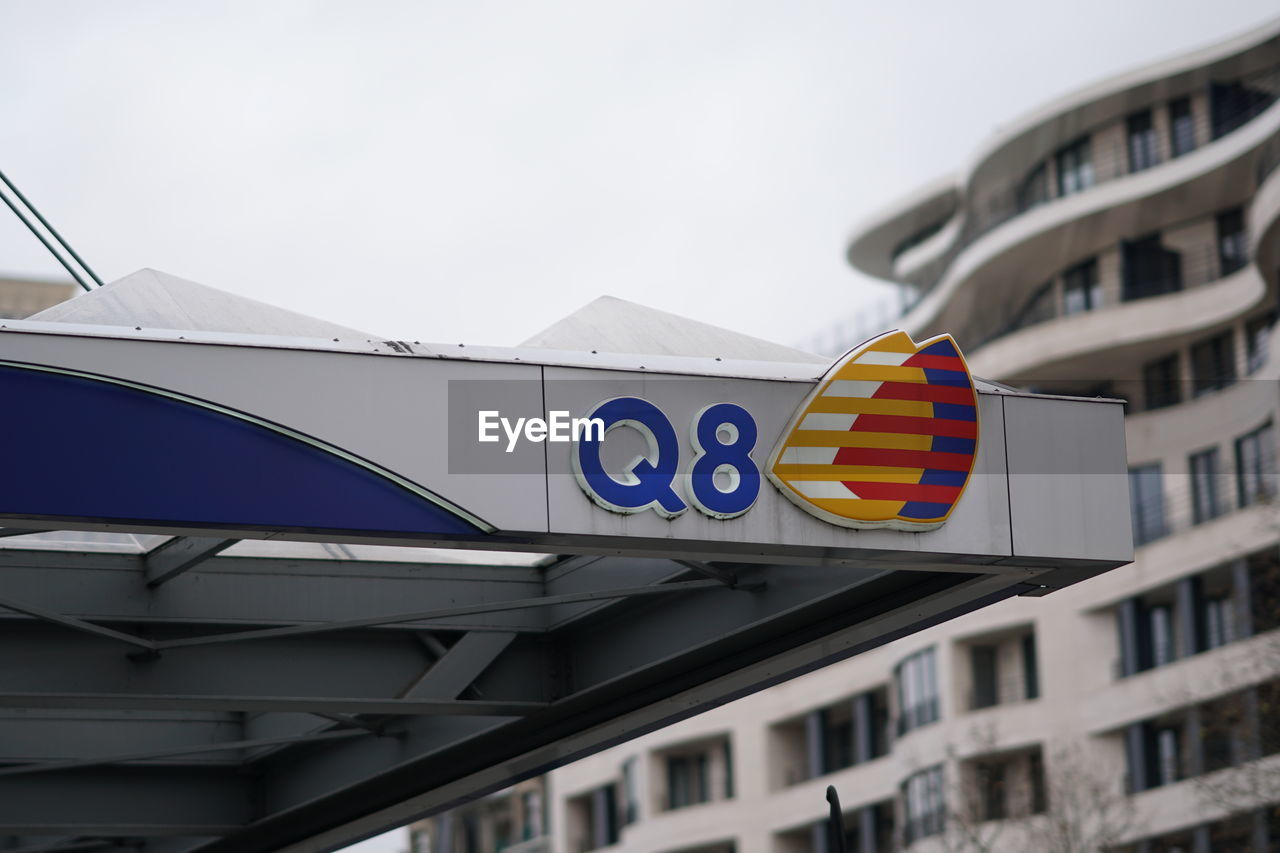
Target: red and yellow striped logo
point(887, 439)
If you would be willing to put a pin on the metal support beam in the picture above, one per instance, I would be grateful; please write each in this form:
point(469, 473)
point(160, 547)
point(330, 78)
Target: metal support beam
point(172, 558)
point(192, 749)
point(115, 802)
point(439, 613)
point(306, 704)
point(725, 576)
point(453, 673)
point(76, 624)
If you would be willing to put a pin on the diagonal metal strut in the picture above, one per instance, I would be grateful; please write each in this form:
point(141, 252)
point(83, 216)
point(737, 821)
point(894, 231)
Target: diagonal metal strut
point(441, 613)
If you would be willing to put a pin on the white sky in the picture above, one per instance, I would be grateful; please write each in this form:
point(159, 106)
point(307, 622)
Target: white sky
point(474, 171)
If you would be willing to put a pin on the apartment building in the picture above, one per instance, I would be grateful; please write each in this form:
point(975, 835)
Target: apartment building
point(1121, 241)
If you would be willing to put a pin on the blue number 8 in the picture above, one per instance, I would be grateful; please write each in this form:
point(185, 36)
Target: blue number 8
point(731, 457)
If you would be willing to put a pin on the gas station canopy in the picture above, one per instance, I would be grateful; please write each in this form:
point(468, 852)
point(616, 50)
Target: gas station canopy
point(267, 583)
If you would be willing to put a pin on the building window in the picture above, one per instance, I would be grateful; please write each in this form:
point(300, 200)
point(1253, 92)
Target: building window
point(1004, 786)
point(1075, 167)
point(1034, 191)
point(1205, 471)
point(1233, 249)
point(990, 779)
point(1257, 336)
point(1213, 364)
point(1168, 756)
point(1219, 621)
point(1232, 104)
point(1146, 498)
point(1182, 127)
point(687, 782)
point(917, 682)
point(630, 792)
point(923, 804)
point(1081, 290)
point(1144, 149)
point(593, 819)
point(697, 773)
point(1160, 383)
point(1149, 268)
point(1030, 668)
point(984, 661)
point(1256, 465)
point(1160, 623)
point(835, 727)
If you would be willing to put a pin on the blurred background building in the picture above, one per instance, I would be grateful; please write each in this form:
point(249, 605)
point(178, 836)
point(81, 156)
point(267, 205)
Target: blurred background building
point(21, 297)
point(1121, 241)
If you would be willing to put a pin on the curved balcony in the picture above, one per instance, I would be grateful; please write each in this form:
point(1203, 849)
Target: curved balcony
point(1203, 421)
point(1089, 344)
point(1034, 137)
point(917, 262)
point(1024, 249)
point(1068, 347)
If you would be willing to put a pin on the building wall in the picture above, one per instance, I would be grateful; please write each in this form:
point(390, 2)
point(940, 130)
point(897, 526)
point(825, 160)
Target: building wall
point(23, 297)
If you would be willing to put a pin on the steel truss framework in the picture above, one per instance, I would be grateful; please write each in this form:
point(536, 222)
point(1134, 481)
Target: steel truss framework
point(187, 699)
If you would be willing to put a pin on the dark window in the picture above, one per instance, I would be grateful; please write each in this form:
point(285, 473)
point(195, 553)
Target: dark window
point(1149, 268)
point(1146, 498)
point(1213, 363)
point(876, 738)
point(1037, 309)
point(1168, 755)
point(630, 792)
point(917, 682)
point(1160, 624)
point(727, 749)
point(1264, 593)
point(1233, 250)
point(601, 812)
point(1219, 621)
point(986, 678)
point(1256, 465)
point(923, 805)
point(1232, 104)
point(1144, 150)
point(1081, 290)
point(1206, 502)
point(837, 737)
point(1257, 337)
point(990, 777)
point(1034, 190)
point(1182, 127)
point(1160, 383)
point(687, 782)
point(1221, 732)
point(1075, 167)
point(1039, 792)
point(1030, 669)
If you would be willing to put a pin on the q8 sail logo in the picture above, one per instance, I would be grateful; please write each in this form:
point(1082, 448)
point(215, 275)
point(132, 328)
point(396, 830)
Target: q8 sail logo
point(887, 438)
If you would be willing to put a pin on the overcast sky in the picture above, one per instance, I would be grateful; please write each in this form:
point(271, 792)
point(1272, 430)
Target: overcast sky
point(474, 171)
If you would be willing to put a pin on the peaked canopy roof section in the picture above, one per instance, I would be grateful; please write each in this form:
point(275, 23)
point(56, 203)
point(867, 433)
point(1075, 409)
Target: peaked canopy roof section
point(153, 299)
point(609, 324)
